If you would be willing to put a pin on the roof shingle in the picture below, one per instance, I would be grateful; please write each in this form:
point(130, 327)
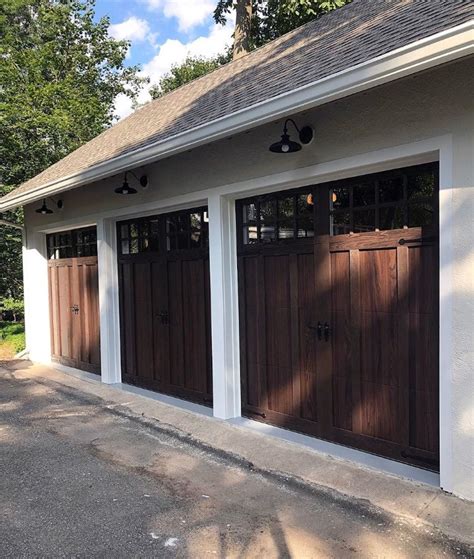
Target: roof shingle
point(351, 35)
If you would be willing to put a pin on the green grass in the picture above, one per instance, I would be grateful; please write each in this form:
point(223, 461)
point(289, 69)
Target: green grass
point(12, 339)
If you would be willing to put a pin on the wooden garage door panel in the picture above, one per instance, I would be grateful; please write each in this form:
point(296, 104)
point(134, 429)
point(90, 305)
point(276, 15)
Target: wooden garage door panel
point(165, 303)
point(306, 357)
point(127, 311)
point(378, 280)
point(176, 312)
point(143, 321)
point(341, 336)
point(74, 298)
point(65, 303)
point(370, 377)
point(195, 326)
point(278, 305)
point(423, 313)
point(89, 307)
point(253, 331)
point(161, 335)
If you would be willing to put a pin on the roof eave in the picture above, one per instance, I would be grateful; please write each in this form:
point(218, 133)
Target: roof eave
point(437, 49)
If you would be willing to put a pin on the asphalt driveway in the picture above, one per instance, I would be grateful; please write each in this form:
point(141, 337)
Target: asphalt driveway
point(83, 478)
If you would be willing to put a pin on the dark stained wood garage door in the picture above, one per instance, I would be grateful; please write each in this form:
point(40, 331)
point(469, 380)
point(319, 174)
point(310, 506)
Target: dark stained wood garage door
point(74, 298)
point(165, 304)
point(339, 312)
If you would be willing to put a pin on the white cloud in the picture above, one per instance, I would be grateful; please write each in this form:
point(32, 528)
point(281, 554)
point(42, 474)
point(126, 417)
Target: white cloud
point(189, 13)
point(123, 106)
point(132, 29)
point(173, 52)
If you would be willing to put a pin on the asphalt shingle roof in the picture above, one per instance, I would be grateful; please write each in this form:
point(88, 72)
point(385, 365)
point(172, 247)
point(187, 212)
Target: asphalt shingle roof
point(356, 33)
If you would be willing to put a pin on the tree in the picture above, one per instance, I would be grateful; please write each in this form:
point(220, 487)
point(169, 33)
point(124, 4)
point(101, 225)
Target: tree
point(243, 28)
point(192, 68)
point(11, 285)
point(60, 72)
point(272, 18)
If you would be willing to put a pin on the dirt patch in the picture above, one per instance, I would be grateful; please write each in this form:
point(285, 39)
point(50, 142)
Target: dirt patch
point(6, 351)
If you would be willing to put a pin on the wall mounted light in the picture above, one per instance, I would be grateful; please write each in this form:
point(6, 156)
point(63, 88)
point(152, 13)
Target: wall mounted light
point(286, 145)
point(44, 210)
point(126, 188)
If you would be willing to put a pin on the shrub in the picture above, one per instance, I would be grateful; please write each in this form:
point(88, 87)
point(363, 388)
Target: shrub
point(13, 308)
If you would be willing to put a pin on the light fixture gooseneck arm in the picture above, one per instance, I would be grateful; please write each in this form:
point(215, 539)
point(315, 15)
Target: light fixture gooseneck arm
point(131, 173)
point(285, 127)
point(143, 180)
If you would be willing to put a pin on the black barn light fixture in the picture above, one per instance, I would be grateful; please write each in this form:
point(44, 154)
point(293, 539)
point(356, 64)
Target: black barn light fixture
point(44, 210)
point(126, 189)
point(286, 145)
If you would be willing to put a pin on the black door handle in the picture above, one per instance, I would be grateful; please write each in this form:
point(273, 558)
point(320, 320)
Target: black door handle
point(164, 317)
point(327, 331)
point(420, 240)
point(75, 309)
point(318, 328)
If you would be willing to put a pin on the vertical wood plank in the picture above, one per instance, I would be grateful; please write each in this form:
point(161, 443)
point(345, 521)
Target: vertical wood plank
point(403, 345)
point(262, 332)
point(295, 336)
point(355, 361)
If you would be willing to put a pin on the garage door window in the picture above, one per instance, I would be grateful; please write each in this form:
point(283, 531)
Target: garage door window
point(187, 230)
point(140, 235)
point(278, 218)
point(392, 200)
point(72, 244)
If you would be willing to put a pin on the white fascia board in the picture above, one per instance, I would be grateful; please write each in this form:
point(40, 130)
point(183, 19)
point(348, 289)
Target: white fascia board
point(437, 49)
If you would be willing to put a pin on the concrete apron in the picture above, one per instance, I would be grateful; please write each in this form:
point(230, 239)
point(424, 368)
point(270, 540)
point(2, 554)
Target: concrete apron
point(421, 505)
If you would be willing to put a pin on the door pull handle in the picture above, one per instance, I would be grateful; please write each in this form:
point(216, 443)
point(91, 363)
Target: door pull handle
point(327, 331)
point(164, 317)
point(75, 309)
point(318, 328)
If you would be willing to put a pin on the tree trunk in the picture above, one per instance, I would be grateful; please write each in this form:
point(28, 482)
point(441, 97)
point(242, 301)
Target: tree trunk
point(243, 19)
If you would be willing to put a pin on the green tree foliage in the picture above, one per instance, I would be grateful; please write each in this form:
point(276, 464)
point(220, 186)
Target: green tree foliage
point(193, 67)
point(11, 284)
point(59, 75)
point(273, 18)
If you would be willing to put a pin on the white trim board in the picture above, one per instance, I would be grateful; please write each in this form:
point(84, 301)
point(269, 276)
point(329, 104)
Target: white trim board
point(420, 55)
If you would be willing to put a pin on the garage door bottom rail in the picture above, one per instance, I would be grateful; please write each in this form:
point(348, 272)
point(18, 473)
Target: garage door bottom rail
point(170, 390)
point(379, 447)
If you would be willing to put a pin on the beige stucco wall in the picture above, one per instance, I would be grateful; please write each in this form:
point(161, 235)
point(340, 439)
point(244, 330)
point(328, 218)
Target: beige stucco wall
point(435, 103)
point(430, 104)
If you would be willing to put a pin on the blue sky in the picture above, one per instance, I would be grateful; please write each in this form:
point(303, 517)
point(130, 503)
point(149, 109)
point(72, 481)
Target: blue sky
point(163, 33)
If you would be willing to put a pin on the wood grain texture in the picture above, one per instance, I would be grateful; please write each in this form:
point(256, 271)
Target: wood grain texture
point(165, 320)
point(374, 384)
point(75, 336)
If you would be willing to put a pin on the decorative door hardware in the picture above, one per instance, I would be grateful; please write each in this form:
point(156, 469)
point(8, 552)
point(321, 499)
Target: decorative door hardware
point(318, 328)
point(327, 331)
point(164, 317)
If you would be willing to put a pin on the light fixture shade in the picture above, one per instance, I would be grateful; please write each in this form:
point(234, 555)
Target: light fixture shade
point(44, 210)
point(285, 145)
point(125, 189)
